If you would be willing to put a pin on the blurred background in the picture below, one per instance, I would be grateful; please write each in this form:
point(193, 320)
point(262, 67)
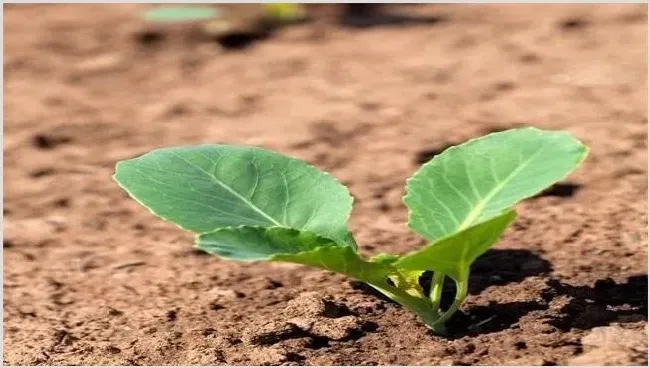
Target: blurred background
point(366, 92)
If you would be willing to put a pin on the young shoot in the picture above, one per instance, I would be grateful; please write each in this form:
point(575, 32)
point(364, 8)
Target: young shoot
point(249, 204)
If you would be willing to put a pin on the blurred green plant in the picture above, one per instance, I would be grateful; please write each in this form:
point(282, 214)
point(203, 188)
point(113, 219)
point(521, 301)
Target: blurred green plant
point(180, 14)
point(285, 13)
point(278, 13)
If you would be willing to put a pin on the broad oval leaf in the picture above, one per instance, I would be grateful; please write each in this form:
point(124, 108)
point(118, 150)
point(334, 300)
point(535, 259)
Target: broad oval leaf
point(288, 245)
point(454, 255)
point(208, 187)
point(478, 180)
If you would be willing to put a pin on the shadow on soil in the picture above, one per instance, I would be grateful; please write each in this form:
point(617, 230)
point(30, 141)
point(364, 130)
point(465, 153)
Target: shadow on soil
point(504, 266)
point(586, 306)
point(493, 317)
point(605, 302)
point(495, 267)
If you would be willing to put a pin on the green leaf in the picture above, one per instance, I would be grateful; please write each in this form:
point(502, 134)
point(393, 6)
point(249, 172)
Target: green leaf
point(285, 12)
point(409, 281)
point(475, 181)
point(260, 243)
point(384, 258)
point(288, 245)
point(454, 255)
point(204, 188)
point(177, 14)
point(341, 259)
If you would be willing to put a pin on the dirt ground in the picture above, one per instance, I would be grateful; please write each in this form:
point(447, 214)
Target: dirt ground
point(92, 278)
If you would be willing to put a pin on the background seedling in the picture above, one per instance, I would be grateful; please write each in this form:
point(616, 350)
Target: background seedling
point(228, 23)
point(180, 14)
point(250, 204)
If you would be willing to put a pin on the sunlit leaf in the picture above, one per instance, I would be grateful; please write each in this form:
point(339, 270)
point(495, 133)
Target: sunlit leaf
point(478, 180)
point(204, 188)
point(281, 244)
point(455, 254)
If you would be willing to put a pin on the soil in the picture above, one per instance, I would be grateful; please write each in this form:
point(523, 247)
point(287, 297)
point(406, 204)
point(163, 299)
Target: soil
point(92, 278)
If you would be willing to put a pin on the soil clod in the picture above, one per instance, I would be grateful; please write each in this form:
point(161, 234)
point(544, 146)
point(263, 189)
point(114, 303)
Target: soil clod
point(216, 307)
point(115, 312)
point(149, 38)
point(42, 172)
point(312, 304)
point(570, 24)
point(424, 156)
point(171, 315)
point(561, 190)
point(270, 333)
point(274, 284)
point(613, 345)
point(48, 142)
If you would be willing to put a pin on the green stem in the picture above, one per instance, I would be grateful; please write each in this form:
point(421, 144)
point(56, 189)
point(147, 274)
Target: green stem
point(419, 306)
point(461, 294)
point(436, 290)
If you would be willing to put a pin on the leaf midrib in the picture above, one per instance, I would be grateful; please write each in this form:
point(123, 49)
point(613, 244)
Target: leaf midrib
point(215, 180)
point(476, 211)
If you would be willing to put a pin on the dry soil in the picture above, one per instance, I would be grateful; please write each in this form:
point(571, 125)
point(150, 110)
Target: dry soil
point(91, 278)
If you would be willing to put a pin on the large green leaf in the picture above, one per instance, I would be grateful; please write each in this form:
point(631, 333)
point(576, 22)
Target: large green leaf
point(477, 180)
point(288, 245)
point(204, 188)
point(454, 255)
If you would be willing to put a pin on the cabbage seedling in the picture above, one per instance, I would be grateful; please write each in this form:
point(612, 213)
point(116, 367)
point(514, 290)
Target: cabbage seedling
point(250, 204)
point(180, 14)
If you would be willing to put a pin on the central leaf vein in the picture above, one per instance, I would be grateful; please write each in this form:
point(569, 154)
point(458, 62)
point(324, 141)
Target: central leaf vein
point(215, 180)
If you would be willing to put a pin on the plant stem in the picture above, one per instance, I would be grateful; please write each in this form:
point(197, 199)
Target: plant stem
point(461, 294)
point(419, 306)
point(436, 290)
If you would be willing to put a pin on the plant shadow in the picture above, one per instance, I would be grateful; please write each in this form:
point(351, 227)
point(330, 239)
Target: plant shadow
point(490, 318)
point(495, 268)
point(587, 306)
point(504, 266)
point(600, 305)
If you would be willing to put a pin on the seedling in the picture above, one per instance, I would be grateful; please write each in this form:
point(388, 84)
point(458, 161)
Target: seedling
point(249, 204)
point(280, 12)
point(180, 14)
point(220, 20)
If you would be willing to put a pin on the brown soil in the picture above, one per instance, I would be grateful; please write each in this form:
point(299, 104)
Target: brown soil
point(91, 278)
